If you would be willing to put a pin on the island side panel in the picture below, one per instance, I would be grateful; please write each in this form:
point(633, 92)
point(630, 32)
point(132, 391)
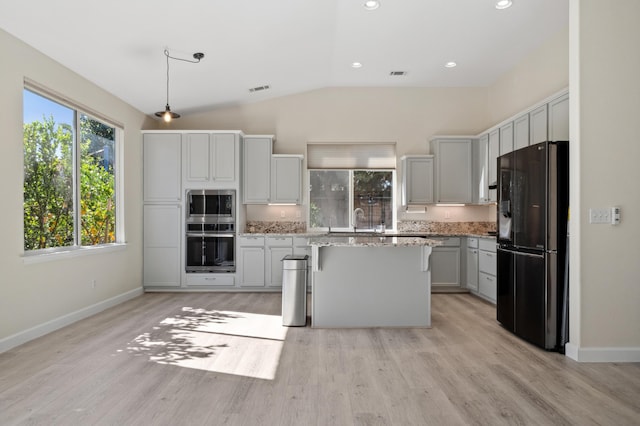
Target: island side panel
point(371, 287)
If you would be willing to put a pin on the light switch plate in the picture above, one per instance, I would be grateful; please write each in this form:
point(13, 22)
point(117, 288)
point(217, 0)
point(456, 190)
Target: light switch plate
point(602, 215)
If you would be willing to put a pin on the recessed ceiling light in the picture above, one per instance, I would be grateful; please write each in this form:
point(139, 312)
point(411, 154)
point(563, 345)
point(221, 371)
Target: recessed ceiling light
point(450, 64)
point(356, 65)
point(503, 4)
point(371, 4)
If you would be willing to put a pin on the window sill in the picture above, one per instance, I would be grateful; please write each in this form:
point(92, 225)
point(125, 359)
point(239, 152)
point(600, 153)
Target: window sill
point(70, 252)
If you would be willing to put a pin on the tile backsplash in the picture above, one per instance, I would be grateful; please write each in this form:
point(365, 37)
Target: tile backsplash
point(275, 227)
point(446, 227)
point(289, 227)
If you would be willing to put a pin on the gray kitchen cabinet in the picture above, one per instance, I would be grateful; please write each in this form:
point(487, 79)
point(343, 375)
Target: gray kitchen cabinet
point(251, 261)
point(487, 283)
point(506, 138)
point(494, 153)
point(521, 132)
point(301, 247)
point(210, 159)
point(161, 248)
point(538, 125)
point(286, 179)
point(417, 179)
point(162, 168)
point(207, 280)
point(559, 118)
point(481, 170)
point(276, 249)
point(453, 169)
point(445, 265)
point(472, 264)
point(257, 169)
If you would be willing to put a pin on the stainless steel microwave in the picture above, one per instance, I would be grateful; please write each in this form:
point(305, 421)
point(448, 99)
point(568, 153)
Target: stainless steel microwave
point(217, 205)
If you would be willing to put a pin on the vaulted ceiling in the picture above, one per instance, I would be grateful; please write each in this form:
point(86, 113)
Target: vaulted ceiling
point(289, 45)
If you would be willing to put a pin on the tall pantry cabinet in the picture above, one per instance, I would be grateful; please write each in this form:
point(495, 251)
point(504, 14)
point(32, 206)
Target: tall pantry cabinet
point(162, 210)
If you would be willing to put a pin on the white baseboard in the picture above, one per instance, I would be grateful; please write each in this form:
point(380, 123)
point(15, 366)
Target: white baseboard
point(612, 354)
point(57, 323)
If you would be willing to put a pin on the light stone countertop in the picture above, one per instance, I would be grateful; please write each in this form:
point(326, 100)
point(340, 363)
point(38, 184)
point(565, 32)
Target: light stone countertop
point(372, 241)
point(344, 234)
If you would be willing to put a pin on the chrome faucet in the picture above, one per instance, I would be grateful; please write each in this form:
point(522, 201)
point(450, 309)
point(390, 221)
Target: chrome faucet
point(356, 213)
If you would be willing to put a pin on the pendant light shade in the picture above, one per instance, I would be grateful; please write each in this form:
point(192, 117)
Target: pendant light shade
point(167, 115)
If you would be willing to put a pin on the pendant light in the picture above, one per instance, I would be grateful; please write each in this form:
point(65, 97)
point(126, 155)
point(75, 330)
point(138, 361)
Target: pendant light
point(167, 115)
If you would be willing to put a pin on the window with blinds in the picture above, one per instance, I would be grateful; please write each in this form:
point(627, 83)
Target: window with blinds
point(351, 185)
point(351, 156)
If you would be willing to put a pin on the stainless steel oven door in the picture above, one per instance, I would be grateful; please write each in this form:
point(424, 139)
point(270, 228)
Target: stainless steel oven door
point(207, 204)
point(207, 252)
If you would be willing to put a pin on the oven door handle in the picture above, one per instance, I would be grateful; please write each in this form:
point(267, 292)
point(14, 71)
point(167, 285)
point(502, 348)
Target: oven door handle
point(210, 234)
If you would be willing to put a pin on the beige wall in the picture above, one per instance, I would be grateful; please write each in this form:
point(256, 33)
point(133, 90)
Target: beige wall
point(541, 74)
point(407, 116)
point(605, 66)
point(32, 295)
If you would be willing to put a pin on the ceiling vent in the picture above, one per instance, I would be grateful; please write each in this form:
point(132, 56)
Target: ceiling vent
point(259, 88)
point(394, 73)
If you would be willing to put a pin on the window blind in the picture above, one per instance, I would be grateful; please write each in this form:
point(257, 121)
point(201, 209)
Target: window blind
point(351, 155)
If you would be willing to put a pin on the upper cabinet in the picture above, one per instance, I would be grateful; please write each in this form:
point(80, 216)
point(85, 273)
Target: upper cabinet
point(161, 162)
point(268, 178)
point(494, 153)
point(417, 179)
point(257, 169)
point(286, 178)
point(549, 121)
point(211, 159)
point(559, 119)
point(538, 125)
point(506, 138)
point(521, 131)
point(481, 170)
point(453, 169)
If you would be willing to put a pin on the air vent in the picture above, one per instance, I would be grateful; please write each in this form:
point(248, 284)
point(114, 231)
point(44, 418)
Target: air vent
point(398, 73)
point(259, 88)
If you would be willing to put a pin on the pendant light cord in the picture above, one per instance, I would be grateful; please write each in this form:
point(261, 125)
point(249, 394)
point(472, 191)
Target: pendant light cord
point(166, 53)
point(197, 57)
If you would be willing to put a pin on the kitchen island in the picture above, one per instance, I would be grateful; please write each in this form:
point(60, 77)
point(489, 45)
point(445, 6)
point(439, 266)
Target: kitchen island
point(371, 281)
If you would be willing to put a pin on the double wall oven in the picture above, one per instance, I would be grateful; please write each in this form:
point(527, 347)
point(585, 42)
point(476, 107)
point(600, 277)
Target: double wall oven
point(210, 231)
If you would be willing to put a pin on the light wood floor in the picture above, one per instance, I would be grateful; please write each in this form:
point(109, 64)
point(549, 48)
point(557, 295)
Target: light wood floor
point(160, 360)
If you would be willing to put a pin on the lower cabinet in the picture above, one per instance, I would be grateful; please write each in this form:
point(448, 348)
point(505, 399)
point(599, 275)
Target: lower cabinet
point(487, 282)
point(260, 259)
point(162, 249)
point(251, 261)
point(210, 280)
point(445, 265)
point(277, 248)
point(472, 264)
point(301, 248)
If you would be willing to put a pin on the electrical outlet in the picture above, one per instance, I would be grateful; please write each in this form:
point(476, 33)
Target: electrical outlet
point(93, 283)
point(600, 215)
point(282, 213)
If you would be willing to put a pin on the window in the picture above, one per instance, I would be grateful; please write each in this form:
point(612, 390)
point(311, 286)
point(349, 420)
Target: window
point(70, 184)
point(344, 199)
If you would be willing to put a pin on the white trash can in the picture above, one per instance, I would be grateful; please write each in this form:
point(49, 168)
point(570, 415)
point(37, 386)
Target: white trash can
point(294, 290)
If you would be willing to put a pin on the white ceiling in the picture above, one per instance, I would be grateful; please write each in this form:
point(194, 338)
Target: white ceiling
point(290, 45)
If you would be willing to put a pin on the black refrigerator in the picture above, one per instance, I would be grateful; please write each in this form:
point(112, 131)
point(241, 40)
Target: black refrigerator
point(533, 206)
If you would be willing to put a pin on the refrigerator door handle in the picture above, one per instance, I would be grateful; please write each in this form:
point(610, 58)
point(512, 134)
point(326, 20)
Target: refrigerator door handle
point(515, 250)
